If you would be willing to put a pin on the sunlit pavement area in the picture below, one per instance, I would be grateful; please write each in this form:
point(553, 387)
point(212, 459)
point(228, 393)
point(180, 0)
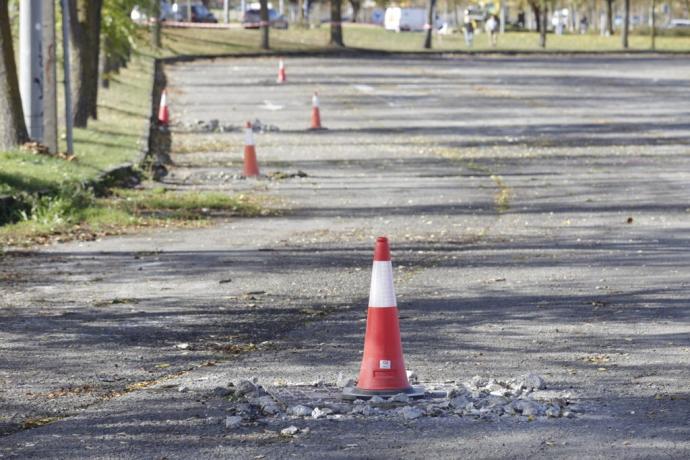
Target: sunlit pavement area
point(538, 209)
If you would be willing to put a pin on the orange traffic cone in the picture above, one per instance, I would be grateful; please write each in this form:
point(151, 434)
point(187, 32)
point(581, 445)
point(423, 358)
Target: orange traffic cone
point(251, 167)
point(282, 78)
point(315, 113)
point(383, 367)
point(163, 111)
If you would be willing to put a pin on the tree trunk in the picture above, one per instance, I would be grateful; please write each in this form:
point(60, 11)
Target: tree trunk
point(12, 125)
point(105, 64)
point(94, 36)
point(336, 23)
point(356, 6)
point(543, 24)
point(156, 25)
point(609, 17)
point(626, 23)
point(263, 15)
point(653, 24)
point(537, 14)
point(429, 26)
point(85, 32)
point(300, 12)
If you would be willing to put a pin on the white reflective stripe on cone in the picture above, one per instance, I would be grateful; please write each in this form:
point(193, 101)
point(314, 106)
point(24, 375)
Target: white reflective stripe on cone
point(315, 101)
point(164, 99)
point(248, 136)
point(382, 294)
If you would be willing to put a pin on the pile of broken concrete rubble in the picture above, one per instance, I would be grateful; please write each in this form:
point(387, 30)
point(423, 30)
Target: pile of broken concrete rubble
point(524, 398)
point(215, 126)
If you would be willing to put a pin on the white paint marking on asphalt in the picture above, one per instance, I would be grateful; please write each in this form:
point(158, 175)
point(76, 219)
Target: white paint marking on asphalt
point(364, 88)
point(268, 105)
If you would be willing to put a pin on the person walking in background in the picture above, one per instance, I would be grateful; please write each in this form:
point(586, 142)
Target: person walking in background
point(492, 29)
point(584, 25)
point(468, 28)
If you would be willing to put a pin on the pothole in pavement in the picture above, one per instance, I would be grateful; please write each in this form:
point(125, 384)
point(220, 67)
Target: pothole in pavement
point(215, 126)
point(524, 399)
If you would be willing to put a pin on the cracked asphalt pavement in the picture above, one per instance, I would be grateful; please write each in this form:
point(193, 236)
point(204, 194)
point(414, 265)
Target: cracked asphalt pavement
point(538, 209)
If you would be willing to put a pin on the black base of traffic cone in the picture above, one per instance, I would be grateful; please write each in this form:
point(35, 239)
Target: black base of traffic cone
point(358, 393)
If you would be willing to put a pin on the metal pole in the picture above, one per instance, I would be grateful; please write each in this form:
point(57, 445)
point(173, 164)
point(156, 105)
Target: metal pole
point(67, 66)
point(31, 66)
point(50, 138)
point(226, 11)
point(502, 18)
point(189, 10)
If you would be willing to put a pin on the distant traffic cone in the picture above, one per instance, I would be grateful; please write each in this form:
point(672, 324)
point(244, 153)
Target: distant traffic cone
point(383, 367)
point(315, 113)
point(163, 111)
point(282, 78)
point(251, 167)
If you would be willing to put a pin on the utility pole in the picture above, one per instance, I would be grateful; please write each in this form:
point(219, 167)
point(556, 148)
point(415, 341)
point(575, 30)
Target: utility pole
point(502, 18)
point(67, 66)
point(31, 66)
point(50, 138)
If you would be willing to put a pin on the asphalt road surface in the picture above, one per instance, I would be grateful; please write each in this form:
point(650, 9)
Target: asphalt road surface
point(539, 216)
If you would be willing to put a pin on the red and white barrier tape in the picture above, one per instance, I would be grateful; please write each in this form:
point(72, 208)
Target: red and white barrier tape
point(199, 25)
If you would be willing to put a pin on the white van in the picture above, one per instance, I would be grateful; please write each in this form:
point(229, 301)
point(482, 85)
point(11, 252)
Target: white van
point(397, 19)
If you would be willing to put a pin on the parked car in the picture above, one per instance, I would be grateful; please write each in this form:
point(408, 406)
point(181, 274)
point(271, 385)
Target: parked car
point(252, 19)
point(140, 15)
point(679, 24)
point(409, 19)
point(199, 13)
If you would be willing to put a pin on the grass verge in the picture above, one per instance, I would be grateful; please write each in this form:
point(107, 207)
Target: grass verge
point(179, 42)
point(76, 214)
point(52, 203)
point(112, 139)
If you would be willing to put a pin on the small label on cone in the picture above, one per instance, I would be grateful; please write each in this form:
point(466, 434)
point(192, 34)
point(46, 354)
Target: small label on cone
point(384, 364)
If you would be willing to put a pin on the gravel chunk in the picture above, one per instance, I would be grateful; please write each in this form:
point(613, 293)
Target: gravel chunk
point(221, 392)
point(300, 411)
point(292, 430)
point(532, 381)
point(411, 413)
point(458, 402)
point(245, 387)
point(376, 400)
point(363, 410)
point(321, 412)
point(233, 421)
point(553, 411)
point(478, 382)
point(400, 398)
point(528, 407)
